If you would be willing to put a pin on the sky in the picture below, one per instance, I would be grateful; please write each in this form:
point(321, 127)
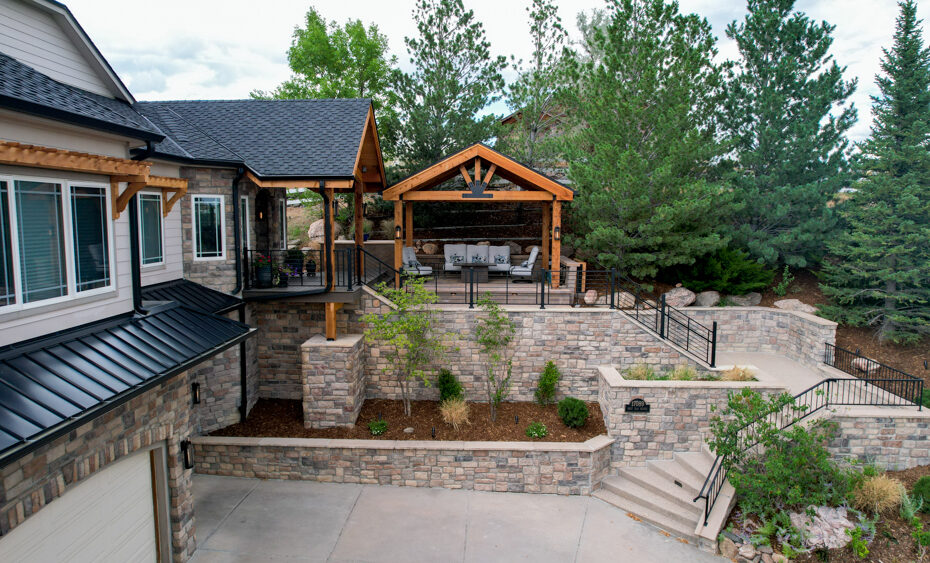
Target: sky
point(224, 49)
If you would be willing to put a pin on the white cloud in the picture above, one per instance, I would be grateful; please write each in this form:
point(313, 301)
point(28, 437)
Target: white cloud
point(213, 49)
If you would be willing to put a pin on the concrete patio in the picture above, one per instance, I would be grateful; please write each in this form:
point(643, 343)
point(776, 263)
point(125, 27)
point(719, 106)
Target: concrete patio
point(241, 520)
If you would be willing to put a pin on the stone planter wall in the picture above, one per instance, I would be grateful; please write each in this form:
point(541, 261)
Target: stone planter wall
point(525, 467)
point(800, 336)
point(333, 380)
point(894, 438)
point(679, 417)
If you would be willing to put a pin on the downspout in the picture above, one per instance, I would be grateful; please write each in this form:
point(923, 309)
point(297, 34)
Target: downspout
point(327, 236)
point(134, 259)
point(243, 373)
point(237, 228)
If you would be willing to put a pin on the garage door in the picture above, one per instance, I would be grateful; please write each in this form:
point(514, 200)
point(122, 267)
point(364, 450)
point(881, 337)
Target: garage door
point(108, 517)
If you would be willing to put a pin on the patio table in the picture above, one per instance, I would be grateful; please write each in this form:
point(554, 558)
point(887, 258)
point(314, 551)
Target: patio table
point(480, 270)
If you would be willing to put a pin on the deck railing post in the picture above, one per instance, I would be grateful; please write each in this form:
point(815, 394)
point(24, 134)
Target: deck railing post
point(662, 317)
point(713, 345)
point(542, 289)
point(470, 290)
point(611, 285)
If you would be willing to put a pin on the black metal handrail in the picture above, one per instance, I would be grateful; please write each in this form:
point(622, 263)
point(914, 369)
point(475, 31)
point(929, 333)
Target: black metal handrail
point(371, 270)
point(833, 391)
point(870, 370)
point(301, 267)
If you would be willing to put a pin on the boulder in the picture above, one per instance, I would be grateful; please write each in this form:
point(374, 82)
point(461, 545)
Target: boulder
point(747, 551)
point(728, 549)
point(483, 243)
point(625, 300)
point(408, 430)
point(779, 558)
point(749, 300)
point(317, 232)
point(707, 299)
point(514, 247)
point(865, 365)
point(679, 297)
point(795, 305)
point(528, 249)
point(825, 529)
point(430, 248)
point(590, 297)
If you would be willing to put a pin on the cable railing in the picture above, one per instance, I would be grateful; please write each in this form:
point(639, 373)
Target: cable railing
point(833, 391)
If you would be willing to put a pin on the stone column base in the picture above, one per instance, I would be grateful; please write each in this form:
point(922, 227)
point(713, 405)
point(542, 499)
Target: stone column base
point(333, 377)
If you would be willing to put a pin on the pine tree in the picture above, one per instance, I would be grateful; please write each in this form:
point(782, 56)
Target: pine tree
point(881, 272)
point(784, 113)
point(641, 154)
point(454, 77)
point(533, 96)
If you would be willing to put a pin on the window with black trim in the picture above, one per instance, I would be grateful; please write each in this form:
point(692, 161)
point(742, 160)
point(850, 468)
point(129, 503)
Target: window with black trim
point(151, 229)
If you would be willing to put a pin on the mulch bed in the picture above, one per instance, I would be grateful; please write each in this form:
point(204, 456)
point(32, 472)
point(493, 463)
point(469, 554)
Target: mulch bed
point(284, 419)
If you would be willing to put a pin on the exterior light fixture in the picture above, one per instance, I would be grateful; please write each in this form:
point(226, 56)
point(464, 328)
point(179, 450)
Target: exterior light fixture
point(261, 215)
point(398, 233)
point(187, 454)
point(195, 393)
point(557, 233)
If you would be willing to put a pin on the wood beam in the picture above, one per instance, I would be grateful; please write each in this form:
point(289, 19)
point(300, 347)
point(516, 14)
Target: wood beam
point(491, 171)
point(556, 242)
point(408, 223)
point(546, 229)
point(398, 240)
point(123, 199)
point(331, 309)
point(167, 183)
point(299, 182)
point(19, 154)
point(456, 196)
point(330, 239)
point(477, 169)
point(465, 175)
point(169, 203)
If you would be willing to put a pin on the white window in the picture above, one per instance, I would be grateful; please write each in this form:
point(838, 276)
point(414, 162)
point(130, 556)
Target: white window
point(55, 241)
point(151, 229)
point(244, 222)
point(209, 227)
point(283, 222)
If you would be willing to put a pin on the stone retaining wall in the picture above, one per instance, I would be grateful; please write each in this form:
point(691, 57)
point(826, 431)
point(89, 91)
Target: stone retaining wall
point(800, 336)
point(524, 467)
point(678, 420)
point(333, 380)
point(892, 437)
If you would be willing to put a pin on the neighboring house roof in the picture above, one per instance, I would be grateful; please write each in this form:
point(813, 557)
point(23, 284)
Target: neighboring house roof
point(192, 295)
point(27, 90)
point(51, 385)
point(274, 138)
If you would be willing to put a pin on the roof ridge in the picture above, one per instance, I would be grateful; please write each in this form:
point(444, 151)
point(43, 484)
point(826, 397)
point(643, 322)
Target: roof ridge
point(251, 100)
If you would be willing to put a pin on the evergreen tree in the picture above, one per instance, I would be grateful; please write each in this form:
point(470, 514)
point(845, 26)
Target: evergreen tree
point(348, 61)
point(881, 274)
point(641, 155)
point(532, 97)
point(454, 77)
point(790, 149)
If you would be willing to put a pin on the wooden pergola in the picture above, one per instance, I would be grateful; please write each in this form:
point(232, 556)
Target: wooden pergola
point(477, 165)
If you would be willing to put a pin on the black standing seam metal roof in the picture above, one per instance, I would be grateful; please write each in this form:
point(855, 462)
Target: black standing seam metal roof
point(192, 295)
point(274, 138)
point(22, 88)
point(52, 384)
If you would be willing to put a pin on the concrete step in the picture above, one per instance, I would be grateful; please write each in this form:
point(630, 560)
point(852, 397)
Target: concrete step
point(672, 471)
point(665, 488)
point(631, 507)
point(671, 511)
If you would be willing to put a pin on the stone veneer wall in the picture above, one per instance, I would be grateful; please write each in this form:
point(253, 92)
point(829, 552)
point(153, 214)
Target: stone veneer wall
point(894, 438)
point(161, 415)
point(333, 380)
point(526, 467)
point(679, 417)
point(799, 336)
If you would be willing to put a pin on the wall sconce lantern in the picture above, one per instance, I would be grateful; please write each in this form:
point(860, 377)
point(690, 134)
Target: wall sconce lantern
point(187, 454)
point(398, 232)
point(261, 215)
point(557, 233)
point(195, 393)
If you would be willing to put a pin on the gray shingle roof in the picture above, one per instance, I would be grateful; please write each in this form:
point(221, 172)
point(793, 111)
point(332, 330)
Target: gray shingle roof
point(287, 138)
point(23, 88)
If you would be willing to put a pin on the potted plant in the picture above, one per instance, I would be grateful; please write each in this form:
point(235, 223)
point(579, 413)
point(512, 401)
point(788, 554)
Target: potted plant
point(279, 276)
point(294, 260)
point(311, 267)
point(262, 266)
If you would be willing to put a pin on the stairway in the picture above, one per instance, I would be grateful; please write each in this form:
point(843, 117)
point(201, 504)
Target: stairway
point(661, 494)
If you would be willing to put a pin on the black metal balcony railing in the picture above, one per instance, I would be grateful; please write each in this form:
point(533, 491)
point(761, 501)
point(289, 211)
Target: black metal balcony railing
point(267, 269)
point(897, 382)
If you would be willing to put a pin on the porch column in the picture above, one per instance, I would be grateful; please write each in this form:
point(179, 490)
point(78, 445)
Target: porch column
point(398, 240)
point(546, 221)
point(330, 249)
point(556, 241)
point(408, 223)
point(359, 229)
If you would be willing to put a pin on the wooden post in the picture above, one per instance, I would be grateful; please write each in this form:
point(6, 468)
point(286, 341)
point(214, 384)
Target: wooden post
point(556, 241)
point(329, 246)
point(330, 321)
point(359, 228)
point(398, 240)
point(408, 223)
point(546, 217)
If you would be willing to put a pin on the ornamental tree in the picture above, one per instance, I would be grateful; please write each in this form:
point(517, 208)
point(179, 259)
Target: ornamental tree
point(494, 332)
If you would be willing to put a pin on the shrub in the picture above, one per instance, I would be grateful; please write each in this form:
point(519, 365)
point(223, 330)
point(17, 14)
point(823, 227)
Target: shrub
point(727, 271)
point(377, 427)
point(781, 288)
point(639, 372)
point(922, 490)
point(878, 494)
point(738, 373)
point(449, 386)
point(536, 430)
point(545, 388)
point(925, 397)
point(858, 545)
point(910, 506)
point(454, 411)
point(684, 372)
point(573, 412)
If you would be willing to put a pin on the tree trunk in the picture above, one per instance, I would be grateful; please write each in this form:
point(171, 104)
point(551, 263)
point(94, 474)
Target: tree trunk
point(404, 394)
point(887, 326)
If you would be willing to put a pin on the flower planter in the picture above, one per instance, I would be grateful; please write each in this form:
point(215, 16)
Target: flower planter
point(263, 276)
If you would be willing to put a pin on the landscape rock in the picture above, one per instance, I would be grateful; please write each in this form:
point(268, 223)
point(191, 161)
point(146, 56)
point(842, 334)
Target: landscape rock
point(590, 297)
point(317, 232)
point(528, 249)
point(865, 365)
point(707, 299)
point(430, 248)
point(765, 549)
point(408, 430)
point(825, 529)
point(747, 551)
point(728, 548)
point(767, 558)
point(749, 300)
point(795, 305)
point(625, 300)
point(679, 297)
point(779, 558)
point(514, 247)
point(483, 243)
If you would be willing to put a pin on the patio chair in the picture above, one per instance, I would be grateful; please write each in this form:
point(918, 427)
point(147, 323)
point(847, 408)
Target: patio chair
point(499, 259)
point(412, 266)
point(524, 270)
point(455, 255)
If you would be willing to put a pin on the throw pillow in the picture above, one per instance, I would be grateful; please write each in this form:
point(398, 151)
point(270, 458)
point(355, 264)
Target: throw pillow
point(457, 258)
point(500, 259)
